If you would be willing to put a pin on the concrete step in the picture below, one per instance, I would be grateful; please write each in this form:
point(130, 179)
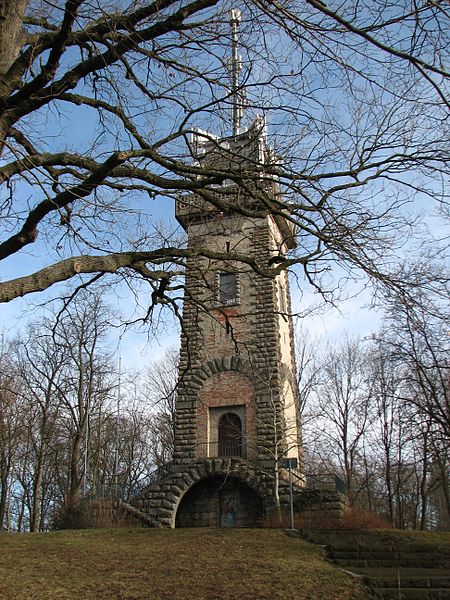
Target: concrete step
point(359, 541)
point(404, 577)
point(411, 594)
point(350, 553)
point(389, 561)
point(393, 568)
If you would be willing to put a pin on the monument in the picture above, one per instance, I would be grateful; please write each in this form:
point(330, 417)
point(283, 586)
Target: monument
point(237, 408)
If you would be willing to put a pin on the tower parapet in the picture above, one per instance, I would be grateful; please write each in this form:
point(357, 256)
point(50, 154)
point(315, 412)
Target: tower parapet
point(248, 186)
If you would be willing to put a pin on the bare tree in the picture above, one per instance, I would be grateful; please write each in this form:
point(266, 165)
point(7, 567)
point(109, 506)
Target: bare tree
point(345, 403)
point(160, 389)
point(356, 97)
point(414, 344)
point(40, 365)
point(12, 418)
point(86, 382)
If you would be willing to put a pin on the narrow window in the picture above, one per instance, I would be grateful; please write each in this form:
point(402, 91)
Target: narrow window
point(228, 288)
point(282, 298)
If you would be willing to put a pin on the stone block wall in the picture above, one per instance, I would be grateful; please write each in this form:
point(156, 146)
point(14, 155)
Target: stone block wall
point(254, 348)
point(317, 508)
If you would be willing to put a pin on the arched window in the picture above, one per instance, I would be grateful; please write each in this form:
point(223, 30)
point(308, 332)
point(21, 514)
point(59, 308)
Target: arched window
point(230, 435)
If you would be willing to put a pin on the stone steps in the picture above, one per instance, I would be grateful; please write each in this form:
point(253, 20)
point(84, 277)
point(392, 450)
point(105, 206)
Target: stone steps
point(412, 594)
point(399, 560)
point(393, 568)
point(409, 578)
point(146, 518)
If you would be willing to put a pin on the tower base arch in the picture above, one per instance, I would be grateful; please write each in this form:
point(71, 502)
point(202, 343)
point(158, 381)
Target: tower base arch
point(220, 501)
point(224, 492)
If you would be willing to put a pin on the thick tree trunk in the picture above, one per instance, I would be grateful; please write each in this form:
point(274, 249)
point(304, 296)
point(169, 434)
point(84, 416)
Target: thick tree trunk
point(390, 494)
point(424, 490)
point(3, 496)
point(5, 466)
point(444, 487)
point(21, 514)
point(73, 494)
point(11, 38)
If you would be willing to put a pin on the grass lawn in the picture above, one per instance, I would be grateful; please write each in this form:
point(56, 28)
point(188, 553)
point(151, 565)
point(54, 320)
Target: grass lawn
point(153, 564)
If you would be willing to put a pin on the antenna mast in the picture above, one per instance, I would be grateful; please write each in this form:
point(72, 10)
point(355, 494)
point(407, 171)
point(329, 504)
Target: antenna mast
point(235, 68)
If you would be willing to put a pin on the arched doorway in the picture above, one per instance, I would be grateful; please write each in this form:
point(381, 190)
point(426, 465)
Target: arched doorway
point(230, 435)
point(220, 501)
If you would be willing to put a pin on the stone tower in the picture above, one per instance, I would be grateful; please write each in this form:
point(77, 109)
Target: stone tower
point(237, 395)
point(237, 402)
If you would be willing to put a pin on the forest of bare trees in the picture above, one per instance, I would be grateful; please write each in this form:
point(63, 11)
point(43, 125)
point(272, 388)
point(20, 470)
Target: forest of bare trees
point(375, 412)
point(61, 436)
point(99, 105)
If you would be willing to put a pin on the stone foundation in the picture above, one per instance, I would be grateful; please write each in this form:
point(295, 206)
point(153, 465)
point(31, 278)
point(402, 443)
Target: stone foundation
point(225, 492)
point(191, 486)
point(319, 509)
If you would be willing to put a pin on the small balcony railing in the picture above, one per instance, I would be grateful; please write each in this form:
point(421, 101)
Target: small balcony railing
point(228, 449)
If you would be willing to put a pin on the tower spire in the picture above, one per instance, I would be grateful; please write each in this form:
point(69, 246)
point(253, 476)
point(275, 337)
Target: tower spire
point(235, 68)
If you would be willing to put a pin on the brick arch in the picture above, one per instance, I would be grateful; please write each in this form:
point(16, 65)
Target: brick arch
point(215, 366)
point(226, 390)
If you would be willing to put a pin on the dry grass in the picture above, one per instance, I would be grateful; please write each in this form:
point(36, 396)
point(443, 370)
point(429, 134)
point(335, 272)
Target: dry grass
point(317, 519)
point(184, 564)
point(359, 519)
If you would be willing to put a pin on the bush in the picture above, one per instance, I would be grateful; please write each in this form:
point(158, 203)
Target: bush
point(306, 519)
point(95, 514)
point(318, 519)
point(359, 519)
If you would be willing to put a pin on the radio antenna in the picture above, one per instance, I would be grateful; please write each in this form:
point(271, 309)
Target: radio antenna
point(235, 68)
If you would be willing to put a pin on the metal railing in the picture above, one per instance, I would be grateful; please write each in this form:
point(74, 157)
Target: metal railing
point(322, 481)
point(228, 449)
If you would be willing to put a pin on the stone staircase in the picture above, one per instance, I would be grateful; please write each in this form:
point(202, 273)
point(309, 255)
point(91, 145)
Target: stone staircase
point(135, 515)
point(394, 565)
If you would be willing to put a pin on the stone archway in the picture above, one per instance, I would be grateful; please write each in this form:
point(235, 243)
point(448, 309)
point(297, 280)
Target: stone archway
point(163, 500)
point(219, 501)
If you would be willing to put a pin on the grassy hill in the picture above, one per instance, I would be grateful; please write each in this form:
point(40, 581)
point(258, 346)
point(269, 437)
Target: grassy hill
point(182, 564)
